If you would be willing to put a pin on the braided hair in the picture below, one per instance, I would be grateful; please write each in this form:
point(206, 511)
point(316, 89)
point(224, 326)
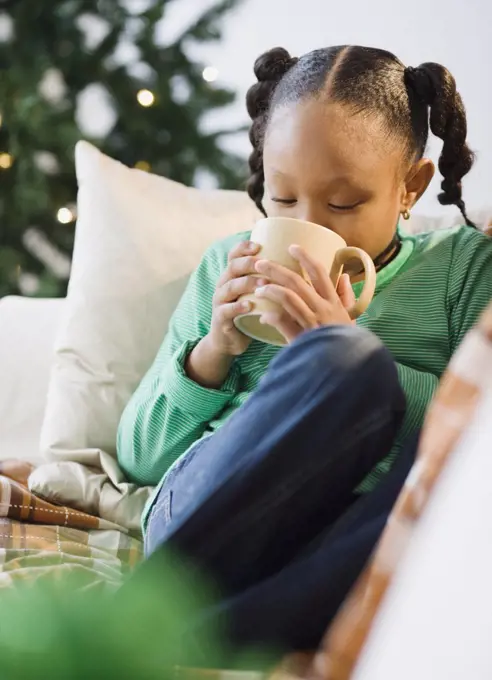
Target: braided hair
point(407, 100)
point(269, 69)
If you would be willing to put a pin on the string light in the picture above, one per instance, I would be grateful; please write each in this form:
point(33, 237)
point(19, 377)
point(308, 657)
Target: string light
point(210, 73)
point(65, 216)
point(143, 165)
point(6, 161)
point(145, 98)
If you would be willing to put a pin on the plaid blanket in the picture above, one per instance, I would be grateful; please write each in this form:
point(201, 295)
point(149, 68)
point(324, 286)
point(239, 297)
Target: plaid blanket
point(41, 540)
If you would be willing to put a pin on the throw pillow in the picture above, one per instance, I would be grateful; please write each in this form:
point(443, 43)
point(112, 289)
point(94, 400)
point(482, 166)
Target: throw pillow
point(138, 238)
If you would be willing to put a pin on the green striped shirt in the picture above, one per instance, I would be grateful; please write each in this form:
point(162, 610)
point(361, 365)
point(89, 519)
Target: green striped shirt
point(426, 299)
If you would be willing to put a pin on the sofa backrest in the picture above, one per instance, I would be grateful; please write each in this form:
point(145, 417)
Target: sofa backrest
point(27, 334)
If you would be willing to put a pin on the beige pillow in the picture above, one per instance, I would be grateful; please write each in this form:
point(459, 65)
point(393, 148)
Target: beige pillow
point(138, 238)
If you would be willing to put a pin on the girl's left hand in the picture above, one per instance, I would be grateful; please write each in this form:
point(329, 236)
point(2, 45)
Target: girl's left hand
point(304, 306)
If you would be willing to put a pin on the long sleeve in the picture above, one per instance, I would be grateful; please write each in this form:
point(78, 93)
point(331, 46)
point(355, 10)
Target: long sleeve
point(419, 387)
point(469, 292)
point(422, 314)
point(169, 412)
point(470, 284)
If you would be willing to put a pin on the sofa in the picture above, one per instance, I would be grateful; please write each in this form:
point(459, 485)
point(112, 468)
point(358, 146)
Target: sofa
point(69, 366)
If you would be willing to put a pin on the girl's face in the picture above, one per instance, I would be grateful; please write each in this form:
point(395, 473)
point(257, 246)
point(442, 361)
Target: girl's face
point(326, 165)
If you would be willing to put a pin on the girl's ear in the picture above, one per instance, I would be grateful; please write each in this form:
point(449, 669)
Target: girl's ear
point(416, 182)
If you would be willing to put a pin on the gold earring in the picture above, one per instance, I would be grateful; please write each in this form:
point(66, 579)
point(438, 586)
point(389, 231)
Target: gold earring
point(406, 214)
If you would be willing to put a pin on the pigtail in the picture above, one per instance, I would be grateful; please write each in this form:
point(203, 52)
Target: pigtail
point(269, 69)
point(435, 86)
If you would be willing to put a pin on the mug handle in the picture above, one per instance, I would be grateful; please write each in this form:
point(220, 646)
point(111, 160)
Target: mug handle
point(342, 257)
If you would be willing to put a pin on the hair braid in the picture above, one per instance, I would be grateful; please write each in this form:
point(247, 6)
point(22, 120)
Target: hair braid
point(369, 80)
point(435, 86)
point(269, 69)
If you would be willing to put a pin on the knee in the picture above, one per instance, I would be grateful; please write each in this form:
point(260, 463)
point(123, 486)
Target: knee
point(346, 351)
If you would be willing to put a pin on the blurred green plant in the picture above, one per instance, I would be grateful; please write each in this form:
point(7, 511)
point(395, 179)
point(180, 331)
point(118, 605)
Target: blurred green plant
point(59, 631)
point(52, 56)
point(62, 631)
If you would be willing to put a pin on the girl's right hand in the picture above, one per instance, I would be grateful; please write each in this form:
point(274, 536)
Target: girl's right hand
point(237, 280)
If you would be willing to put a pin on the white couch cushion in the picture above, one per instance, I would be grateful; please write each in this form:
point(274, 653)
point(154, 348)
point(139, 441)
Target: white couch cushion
point(420, 223)
point(138, 238)
point(27, 334)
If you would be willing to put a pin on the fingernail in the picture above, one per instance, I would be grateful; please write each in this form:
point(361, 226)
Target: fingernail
point(253, 247)
point(261, 282)
point(260, 291)
point(246, 306)
point(259, 265)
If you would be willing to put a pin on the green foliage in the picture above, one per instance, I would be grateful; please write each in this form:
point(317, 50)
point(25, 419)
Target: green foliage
point(47, 38)
point(57, 630)
point(148, 630)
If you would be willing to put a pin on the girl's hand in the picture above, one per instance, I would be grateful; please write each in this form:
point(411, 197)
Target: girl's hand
point(237, 280)
point(304, 306)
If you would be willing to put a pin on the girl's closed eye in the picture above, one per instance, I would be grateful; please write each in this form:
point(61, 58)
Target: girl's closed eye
point(284, 201)
point(341, 208)
point(333, 206)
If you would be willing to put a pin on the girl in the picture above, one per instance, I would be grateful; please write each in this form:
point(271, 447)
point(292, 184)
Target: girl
point(279, 467)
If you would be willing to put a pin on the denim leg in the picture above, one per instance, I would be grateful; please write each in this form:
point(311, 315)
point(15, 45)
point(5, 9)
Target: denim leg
point(253, 495)
point(291, 610)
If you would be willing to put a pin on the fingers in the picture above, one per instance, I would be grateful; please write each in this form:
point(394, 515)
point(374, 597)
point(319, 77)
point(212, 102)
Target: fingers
point(232, 289)
point(225, 314)
point(291, 303)
point(241, 261)
point(239, 266)
point(345, 292)
point(282, 276)
point(242, 266)
point(242, 249)
point(316, 271)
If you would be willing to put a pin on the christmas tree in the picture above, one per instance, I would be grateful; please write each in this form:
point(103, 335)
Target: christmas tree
point(56, 59)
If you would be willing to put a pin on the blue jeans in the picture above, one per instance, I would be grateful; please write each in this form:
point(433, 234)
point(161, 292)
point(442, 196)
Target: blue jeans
point(266, 505)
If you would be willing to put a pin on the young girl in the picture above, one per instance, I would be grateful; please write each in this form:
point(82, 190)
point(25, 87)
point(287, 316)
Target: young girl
point(280, 467)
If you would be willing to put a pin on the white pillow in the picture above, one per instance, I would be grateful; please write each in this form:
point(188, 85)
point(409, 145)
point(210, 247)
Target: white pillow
point(138, 238)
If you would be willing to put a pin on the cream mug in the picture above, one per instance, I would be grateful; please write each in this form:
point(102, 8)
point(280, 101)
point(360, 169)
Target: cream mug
point(275, 235)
